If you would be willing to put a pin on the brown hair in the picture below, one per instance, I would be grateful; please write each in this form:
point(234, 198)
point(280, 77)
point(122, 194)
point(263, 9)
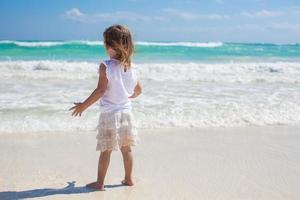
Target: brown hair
point(118, 38)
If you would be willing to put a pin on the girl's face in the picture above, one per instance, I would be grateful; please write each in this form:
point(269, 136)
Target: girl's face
point(110, 51)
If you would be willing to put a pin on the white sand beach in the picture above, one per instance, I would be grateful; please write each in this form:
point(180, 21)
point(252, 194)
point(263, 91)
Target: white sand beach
point(216, 163)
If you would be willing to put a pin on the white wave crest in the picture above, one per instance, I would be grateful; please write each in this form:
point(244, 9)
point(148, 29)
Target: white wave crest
point(186, 44)
point(50, 43)
point(31, 44)
point(280, 72)
point(98, 43)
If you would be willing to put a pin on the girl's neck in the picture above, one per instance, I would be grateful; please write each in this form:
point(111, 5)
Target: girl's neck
point(113, 58)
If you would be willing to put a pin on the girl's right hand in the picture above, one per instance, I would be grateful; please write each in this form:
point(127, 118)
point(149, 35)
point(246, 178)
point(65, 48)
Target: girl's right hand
point(78, 109)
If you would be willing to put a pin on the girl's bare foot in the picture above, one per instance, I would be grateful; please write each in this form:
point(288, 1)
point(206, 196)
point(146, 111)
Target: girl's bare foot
point(127, 182)
point(96, 186)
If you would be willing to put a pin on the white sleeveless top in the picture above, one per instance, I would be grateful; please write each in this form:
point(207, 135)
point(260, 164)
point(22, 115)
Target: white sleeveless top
point(120, 86)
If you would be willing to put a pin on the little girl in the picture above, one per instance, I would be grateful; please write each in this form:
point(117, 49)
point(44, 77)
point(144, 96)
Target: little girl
point(117, 83)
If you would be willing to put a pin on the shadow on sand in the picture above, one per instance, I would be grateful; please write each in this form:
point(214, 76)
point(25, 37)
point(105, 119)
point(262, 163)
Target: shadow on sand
point(70, 189)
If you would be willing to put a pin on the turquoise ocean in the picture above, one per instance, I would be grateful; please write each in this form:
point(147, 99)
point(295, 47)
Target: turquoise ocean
point(185, 84)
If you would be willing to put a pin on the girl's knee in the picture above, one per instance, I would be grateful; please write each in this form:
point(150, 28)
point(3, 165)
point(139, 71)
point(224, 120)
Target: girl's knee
point(125, 149)
point(106, 152)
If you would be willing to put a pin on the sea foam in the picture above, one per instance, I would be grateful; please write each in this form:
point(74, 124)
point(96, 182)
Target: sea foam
point(239, 72)
point(36, 95)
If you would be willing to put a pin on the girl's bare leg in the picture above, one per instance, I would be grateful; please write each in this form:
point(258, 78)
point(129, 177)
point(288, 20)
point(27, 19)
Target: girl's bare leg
point(128, 165)
point(103, 164)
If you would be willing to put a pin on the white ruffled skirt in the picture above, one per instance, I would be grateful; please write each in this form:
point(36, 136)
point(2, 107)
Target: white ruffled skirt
point(116, 129)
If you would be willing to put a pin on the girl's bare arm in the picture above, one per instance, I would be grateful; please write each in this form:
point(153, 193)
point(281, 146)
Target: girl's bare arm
point(96, 94)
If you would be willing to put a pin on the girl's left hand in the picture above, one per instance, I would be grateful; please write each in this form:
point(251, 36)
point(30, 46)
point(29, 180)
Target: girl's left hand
point(78, 109)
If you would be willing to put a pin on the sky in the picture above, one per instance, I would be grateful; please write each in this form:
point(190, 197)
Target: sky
point(268, 21)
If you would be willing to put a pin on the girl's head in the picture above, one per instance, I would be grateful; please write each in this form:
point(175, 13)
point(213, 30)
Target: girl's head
point(118, 43)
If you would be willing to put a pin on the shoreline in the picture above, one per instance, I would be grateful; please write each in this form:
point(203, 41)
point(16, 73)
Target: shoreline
point(284, 127)
point(257, 162)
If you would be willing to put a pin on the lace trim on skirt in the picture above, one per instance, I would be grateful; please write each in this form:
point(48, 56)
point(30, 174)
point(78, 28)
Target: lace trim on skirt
point(116, 130)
